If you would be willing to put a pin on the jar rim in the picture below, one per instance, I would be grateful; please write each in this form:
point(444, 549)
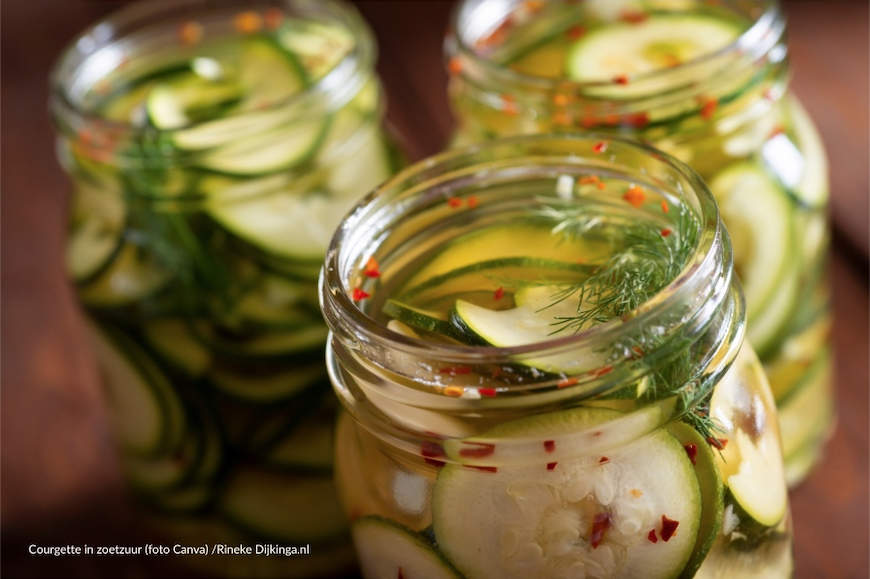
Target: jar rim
point(103, 33)
point(710, 257)
point(457, 45)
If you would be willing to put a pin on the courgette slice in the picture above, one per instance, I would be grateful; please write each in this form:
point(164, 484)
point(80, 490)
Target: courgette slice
point(388, 550)
point(132, 276)
point(187, 99)
point(266, 388)
point(308, 447)
point(172, 340)
point(283, 508)
point(319, 46)
point(805, 413)
point(261, 345)
point(421, 319)
point(544, 520)
point(95, 238)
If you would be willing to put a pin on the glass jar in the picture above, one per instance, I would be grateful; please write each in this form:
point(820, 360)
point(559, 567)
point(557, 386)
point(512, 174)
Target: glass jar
point(642, 444)
point(212, 148)
point(707, 82)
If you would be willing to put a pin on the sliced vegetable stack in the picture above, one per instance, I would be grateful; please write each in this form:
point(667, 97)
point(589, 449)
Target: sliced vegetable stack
point(197, 233)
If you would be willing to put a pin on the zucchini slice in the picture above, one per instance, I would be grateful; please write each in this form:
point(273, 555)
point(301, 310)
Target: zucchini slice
point(133, 275)
point(275, 344)
point(388, 550)
point(426, 320)
point(307, 448)
point(98, 216)
point(546, 520)
point(188, 98)
point(631, 49)
point(172, 340)
point(146, 412)
point(266, 388)
point(760, 218)
point(283, 508)
point(805, 413)
point(750, 464)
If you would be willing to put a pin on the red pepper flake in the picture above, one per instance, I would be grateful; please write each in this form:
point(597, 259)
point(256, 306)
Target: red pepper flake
point(562, 119)
point(454, 65)
point(611, 119)
point(599, 147)
point(636, 493)
point(601, 186)
point(633, 16)
point(666, 232)
point(248, 21)
point(603, 460)
point(599, 372)
point(635, 196)
point(481, 468)
point(190, 33)
point(431, 452)
point(479, 450)
point(454, 202)
point(85, 137)
point(636, 120)
point(488, 392)
point(718, 443)
point(567, 382)
point(456, 370)
point(551, 465)
point(651, 536)
point(600, 524)
point(549, 445)
point(596, 434)
point(498, 293)
point(708, 107)
point(508, 105)
point(372, 269)
point(692, 451)
point(575, 32)
point(665, 207)
point(620, 79)
point(533, 5)
point(777, 130)
point(472, 201)
point(360, 294)
point(669, 528)
point(560, 99)
point(588, 121)
point(589, 179)
point(272, 18)
point(496, 36)
point(637, 350)
point(454, 391)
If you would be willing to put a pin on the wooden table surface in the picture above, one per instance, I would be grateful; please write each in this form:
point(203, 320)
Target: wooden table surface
point(59, 478)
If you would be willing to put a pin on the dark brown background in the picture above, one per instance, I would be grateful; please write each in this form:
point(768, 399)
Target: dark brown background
point(59, 482)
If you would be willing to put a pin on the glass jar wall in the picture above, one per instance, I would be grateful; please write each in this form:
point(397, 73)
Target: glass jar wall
point(706, 82)
point(538, 343)
point(212, 151)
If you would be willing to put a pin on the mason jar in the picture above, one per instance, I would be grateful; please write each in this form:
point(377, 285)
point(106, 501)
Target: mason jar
point(708, 83)
point(538, 344)
point(212, 148)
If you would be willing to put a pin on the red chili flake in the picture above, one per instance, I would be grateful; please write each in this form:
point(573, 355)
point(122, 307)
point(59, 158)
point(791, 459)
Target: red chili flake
point(454, 391)
point(603, 460)
point(637, 350)
point(551, 465)
point(636, 120)
point(481, 468)
point(190, 33)
point(692, 451)
point(472, 201)
point(635, 196)
point(272, 18)
point(665, 207)
point(669, 528)
point(651, 536)
point(718, 443)
point(85, 137)
point(431, 452)
point(488, 392)
point(496, 36)
point(575, 32)
point(589, 179)
point(454, 65)
point(454, 202)
point(360, 294)
point(599, 147)
point(600, 524)
point(560, 99)
point(372, 269)
point(708, 107)
point(479, 450)
point(611, 119)
point(588, 121)
point(620, 79)
point(633, 16)
point(777, 130)
point(533, 5)
point(567, 382)
point(666, 232)
point(597, 433)
point(601, 186)
point(599, 372)
point(508, 104)
point(248, 21)
point(562, 118)
point(498, 293)
point(549, 445)
point(455, 370)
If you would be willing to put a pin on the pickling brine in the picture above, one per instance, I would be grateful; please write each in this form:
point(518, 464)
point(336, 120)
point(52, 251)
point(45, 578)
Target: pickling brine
point(707, 83)
point(538, 343)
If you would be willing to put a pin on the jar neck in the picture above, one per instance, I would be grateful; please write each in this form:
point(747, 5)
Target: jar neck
point(750, 72)
point(143, 27)
point(699, 315)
